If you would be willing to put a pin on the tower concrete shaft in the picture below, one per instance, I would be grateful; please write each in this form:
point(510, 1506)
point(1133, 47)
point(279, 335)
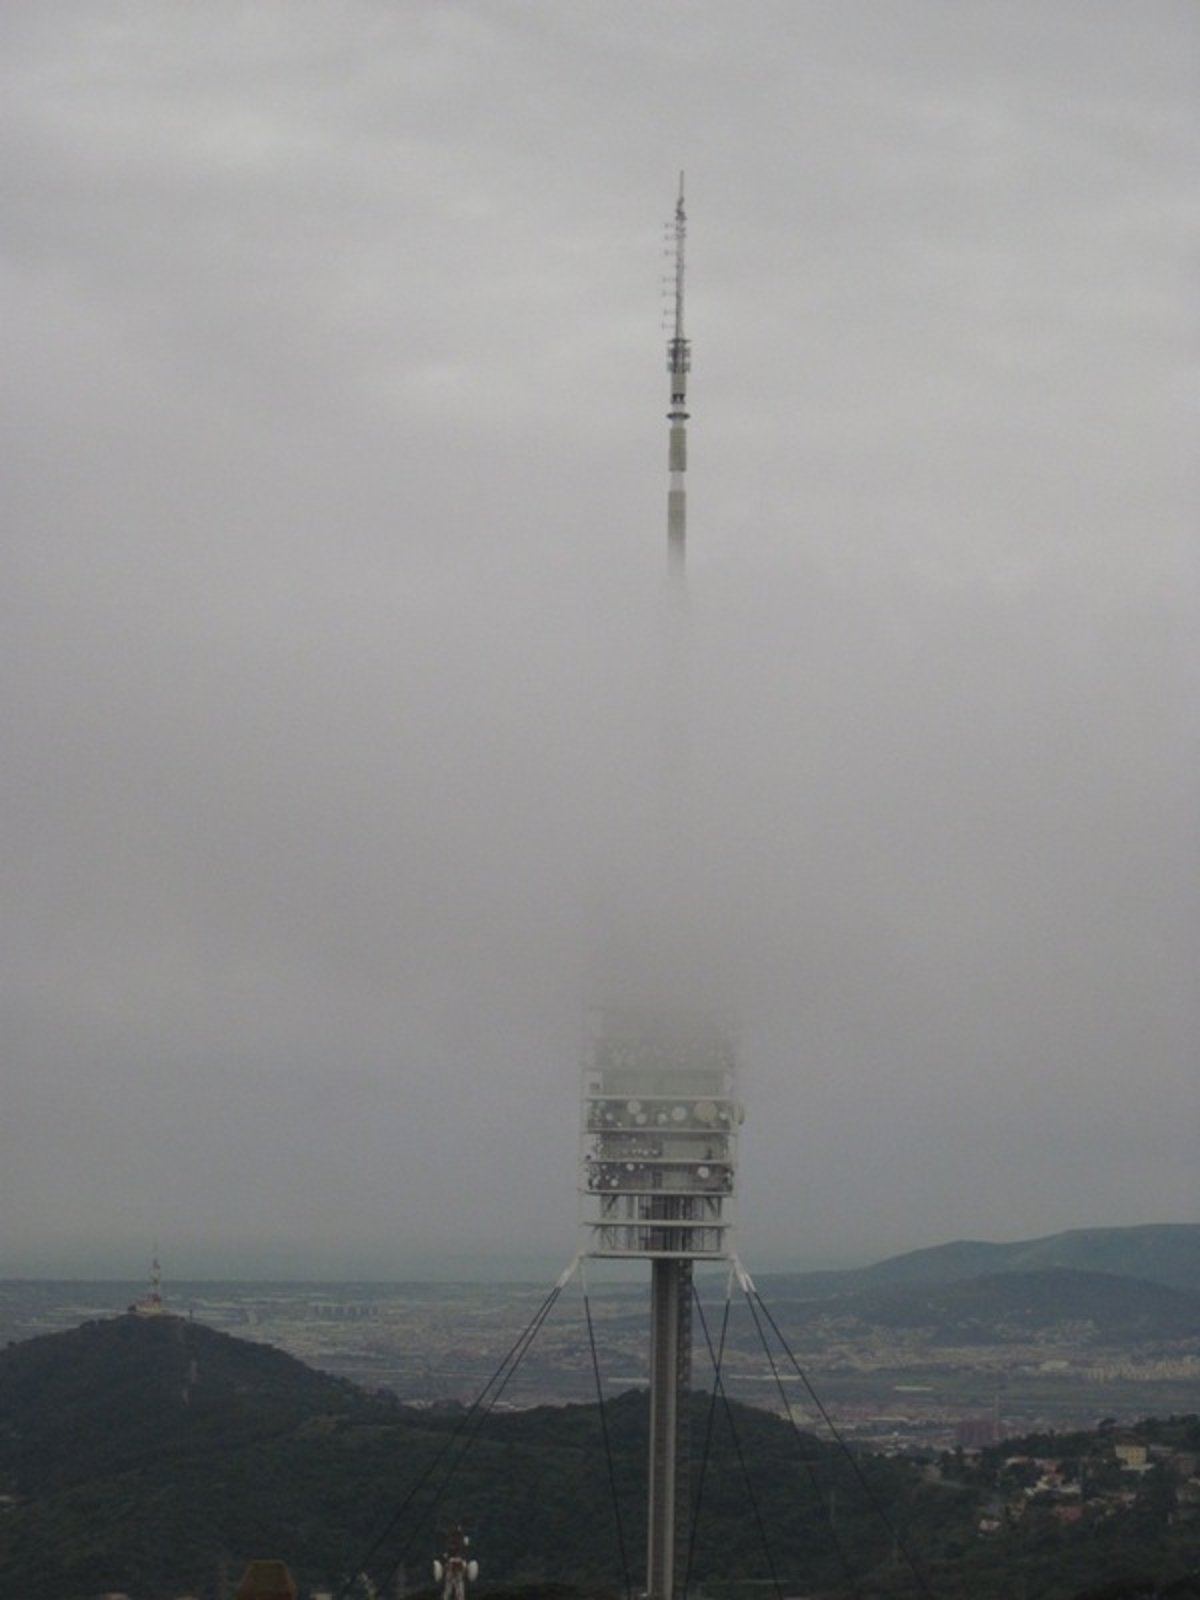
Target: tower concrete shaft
point(670, 1432)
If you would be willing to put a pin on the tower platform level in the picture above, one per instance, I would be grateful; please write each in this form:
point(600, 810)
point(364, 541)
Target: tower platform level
point(660, 1119)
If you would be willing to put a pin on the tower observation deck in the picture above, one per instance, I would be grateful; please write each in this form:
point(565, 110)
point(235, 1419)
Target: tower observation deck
point(659, 1138)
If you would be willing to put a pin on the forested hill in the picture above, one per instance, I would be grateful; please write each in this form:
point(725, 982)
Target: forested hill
point(144, 1455)
point(128, 1390)
point(154, 1456)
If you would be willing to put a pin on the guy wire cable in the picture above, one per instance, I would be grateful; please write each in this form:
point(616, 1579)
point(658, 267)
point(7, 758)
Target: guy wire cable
point(741, 1455)
point(522, 1346)
point(810, 1467)
point(693, 1532)
point(753, 1297)
point(514, 1355)
point(608, 1454)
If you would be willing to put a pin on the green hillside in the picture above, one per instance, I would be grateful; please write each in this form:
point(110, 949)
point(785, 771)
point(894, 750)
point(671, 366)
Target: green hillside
point(155, 1456)
point(146, 1454)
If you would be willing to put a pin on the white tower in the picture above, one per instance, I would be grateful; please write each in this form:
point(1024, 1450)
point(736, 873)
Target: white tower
point(659, 1124)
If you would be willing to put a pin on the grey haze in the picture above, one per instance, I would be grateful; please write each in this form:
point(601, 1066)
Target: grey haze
point(333, 682)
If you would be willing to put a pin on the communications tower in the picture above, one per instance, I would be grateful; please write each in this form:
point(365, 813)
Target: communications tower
point(660, 1117)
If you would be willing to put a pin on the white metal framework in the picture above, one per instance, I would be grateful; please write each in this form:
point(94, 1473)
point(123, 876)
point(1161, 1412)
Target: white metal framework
point(660, 1120)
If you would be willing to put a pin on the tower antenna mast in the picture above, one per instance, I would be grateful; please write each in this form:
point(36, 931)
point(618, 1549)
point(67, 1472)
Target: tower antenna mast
point(679, 363)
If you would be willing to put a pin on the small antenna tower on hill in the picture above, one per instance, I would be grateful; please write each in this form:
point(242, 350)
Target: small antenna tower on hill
point(151, 1304)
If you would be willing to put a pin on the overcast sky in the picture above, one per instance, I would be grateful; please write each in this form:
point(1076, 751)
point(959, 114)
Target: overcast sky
point(339, 725)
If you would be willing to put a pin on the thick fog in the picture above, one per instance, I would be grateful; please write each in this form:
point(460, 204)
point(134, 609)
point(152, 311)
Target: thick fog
point(353, 746)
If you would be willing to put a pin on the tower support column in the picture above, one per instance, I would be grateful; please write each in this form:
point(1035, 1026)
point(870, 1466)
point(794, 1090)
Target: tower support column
point(670, 1413)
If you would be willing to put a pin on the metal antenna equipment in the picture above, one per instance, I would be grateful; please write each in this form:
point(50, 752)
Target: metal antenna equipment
point(679, 364)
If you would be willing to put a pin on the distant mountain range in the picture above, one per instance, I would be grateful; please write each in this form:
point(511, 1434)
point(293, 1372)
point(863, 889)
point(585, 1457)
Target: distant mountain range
point(1113, 1286)
point(1167, 1253)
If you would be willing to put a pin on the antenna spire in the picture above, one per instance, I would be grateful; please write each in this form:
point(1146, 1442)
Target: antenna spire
point(680, 236)
point(679, 362)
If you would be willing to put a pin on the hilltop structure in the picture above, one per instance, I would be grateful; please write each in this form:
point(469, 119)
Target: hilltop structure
point(152, 1303)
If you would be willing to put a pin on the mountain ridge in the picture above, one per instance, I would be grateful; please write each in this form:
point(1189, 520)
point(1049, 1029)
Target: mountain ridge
point(1167, 1253)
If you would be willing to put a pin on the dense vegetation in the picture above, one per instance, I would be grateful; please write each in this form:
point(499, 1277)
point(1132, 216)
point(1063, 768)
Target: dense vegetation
point(156, 1456)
